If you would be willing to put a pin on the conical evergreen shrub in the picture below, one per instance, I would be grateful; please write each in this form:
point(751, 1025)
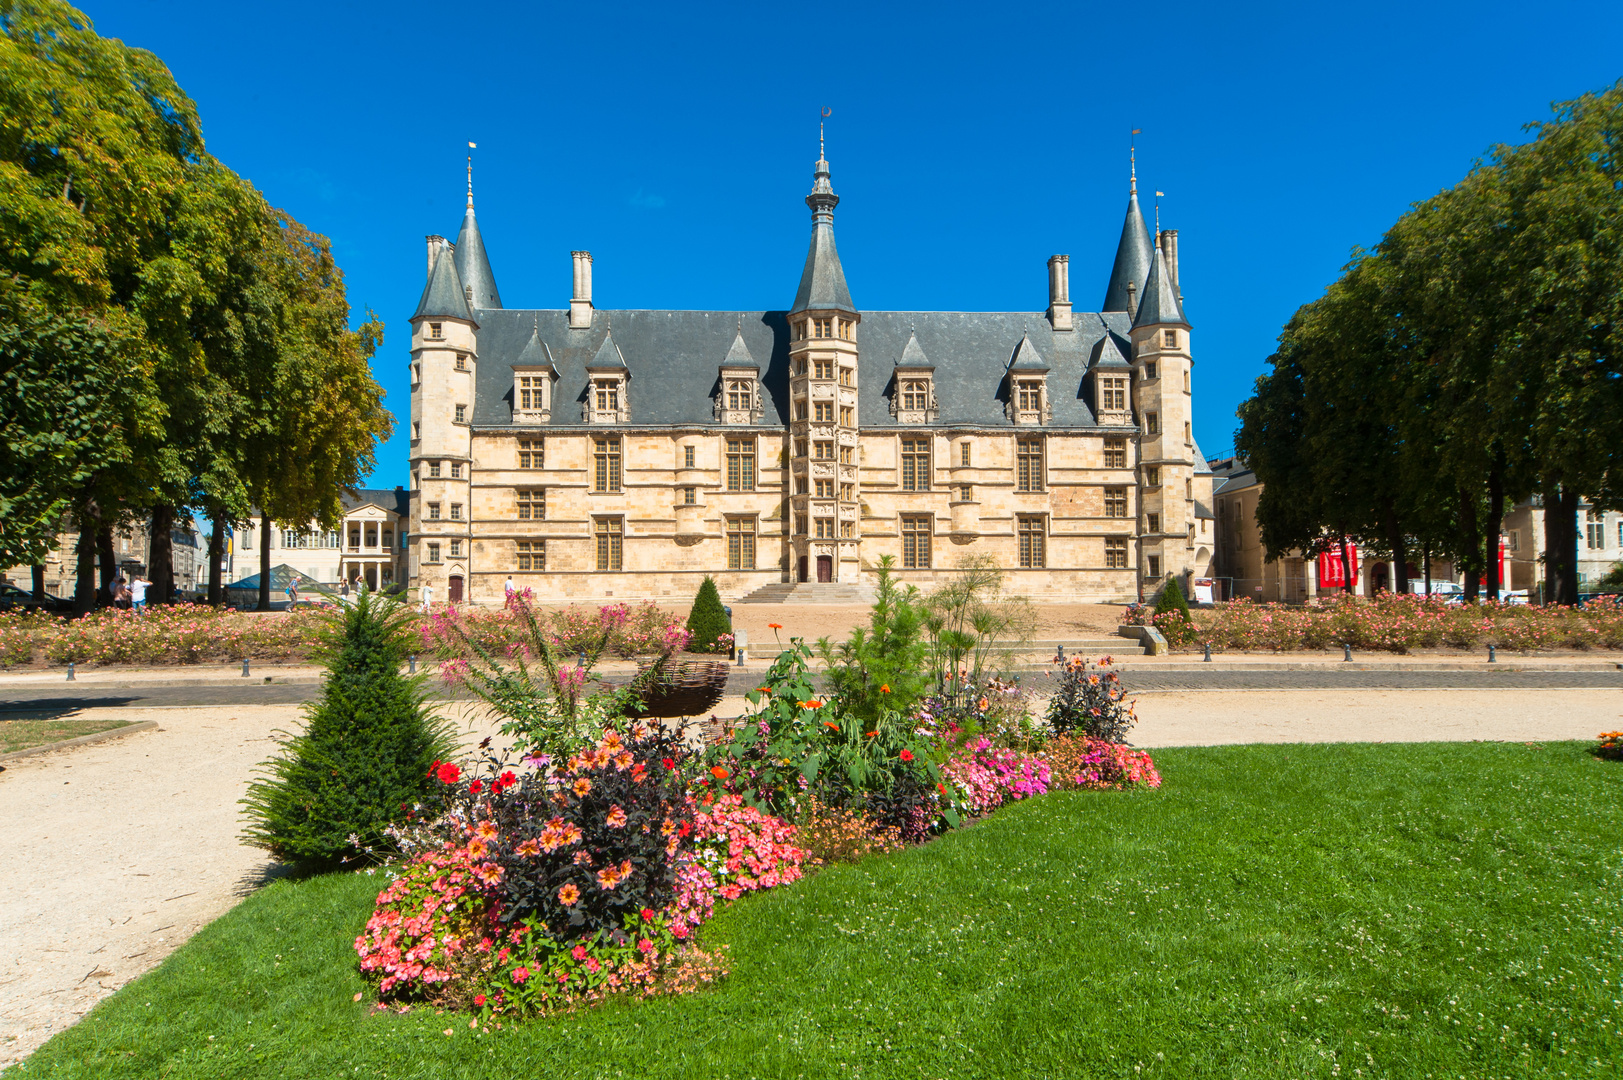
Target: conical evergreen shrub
point(708, 620)
point(1172, 599)
point(363, 759)
point(1172, 614)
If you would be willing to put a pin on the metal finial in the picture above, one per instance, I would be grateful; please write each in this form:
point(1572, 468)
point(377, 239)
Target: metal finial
point(1132, 158)
point(471, 146)
point(821, 154)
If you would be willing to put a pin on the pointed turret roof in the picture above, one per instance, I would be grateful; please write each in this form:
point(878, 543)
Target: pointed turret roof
point(1159, 302)
point(739, 355)
point(535, 353)
point(443, 297)
point(608, 355)
point(913, 354)
point(822, 282)
point(1026, 357)
point(472, 262)
point(1133, 254)
point(1108, 354)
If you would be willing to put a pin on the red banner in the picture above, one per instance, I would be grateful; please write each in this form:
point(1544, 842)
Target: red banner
point(1330, 575)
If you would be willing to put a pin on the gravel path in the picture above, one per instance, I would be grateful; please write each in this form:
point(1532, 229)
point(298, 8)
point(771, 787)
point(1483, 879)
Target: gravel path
point(120, 851)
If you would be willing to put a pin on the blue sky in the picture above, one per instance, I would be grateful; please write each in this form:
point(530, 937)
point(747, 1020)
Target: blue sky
point(968, 143)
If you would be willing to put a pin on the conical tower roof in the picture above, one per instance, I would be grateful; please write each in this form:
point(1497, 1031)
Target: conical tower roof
point(443, 297)
point(1026, 357)
point(1133, 255)
point(608, 355)
point(739, 355)
point(913, 353)
point(472, 262)
point(822, 282)
point(1159, 302)
point(535, 354)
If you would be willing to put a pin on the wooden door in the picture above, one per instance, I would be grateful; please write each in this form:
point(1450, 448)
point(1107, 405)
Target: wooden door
point(454, 592)
point(825, 568)
point(803, 576)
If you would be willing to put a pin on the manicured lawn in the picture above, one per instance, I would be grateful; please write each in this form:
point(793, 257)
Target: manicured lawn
point(1274, 911)
point(22, 734)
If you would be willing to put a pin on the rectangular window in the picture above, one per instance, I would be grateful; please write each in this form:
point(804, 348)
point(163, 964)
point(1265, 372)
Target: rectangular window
point(687, 457)
point(456, 470)
point(824, 412)
point(848, 529)
point(456, 511)
point(247, 537)
point(456, 549)
point(416, 431)
point(1116, 554)
point(847, 455)
point(529, 392)
point(825, 489)
point(1028, 465)
point(823, 328)
point(433, 511)
point(690, 496)
point(823, 369)
point(1033, 552)
point(436, 330)
point(1115, 502)
point(915, 396)
point(416, 375)
point(532, 555)
point(800, 485)
point(800, 410)
point(966, 493)
point(532, 504)
point(915, 464)
point(1115, 453)
point(608, 395)
point(916, 543)
point(461, 414)
point(606, 464)
point(800, 448)
point(1515, 536)
point(1187, 435)
point(1152, 476)
point(848, 492)
point(739, 395)
point(609, 534)
point(1030, 396)
point(1596, 528)
point(823, 451)
point(1152, 523)
point(433, 468)
point(1113, 394)
point(433, 553)
point(1149, 370)
point(963, 454)
point(825, 528)
point(740, 464)
point(1171, 338)
point(848, 416)
point(462, 361)
point(1152, 423)
point(800, 524)
point(741, 543)
point(530, 455)
point(1154, 564)
point(846, 378)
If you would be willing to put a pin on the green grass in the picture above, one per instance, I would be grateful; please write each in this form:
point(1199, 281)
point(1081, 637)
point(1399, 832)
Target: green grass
point(1433, 910)
point(23, 734)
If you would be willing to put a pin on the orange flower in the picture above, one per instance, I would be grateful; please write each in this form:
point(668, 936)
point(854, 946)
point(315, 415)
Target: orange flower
point(477, 849)
point(885, 689)
point(873, 734)
point(832, 724)
point(774, 626)
point(582, 786)
point(718, 772)
point(812, 704)
point(767, 690)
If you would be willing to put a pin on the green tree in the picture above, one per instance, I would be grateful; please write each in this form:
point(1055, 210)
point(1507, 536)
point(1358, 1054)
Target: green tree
point(881, 667)
point(363, 759)
point(708, 620)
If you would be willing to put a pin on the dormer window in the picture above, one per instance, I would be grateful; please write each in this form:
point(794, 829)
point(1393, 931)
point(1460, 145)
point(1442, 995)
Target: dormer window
point(915, 395)
point(608, 394)
point(914, 402)
point(1030, 395)
point(740, 394)
point(532, 396)
point(1112, 394)
point(606, 400)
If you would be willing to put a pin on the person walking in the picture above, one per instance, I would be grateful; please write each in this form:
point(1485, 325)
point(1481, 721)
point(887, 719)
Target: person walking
point(428, 598)
point(509, 590)
point(292, 594)
point(138, 593)
point(343, 588)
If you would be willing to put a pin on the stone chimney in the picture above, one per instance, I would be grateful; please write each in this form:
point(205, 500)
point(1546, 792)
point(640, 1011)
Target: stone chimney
point(580, 302)
point(1169, 252)
point(1059, 291)
point(435, 243)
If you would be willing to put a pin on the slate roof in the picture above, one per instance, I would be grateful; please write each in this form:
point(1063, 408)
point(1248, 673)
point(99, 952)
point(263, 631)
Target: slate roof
point(674, 359)
point(443, 296)
point(394, 500)
point(473, 265)
point(913, 357)
point(1159, 303)
point(822, 282)
point(1133, 253)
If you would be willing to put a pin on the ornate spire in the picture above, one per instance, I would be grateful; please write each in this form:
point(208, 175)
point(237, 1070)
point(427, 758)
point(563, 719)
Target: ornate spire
point(471, 146)
point(472, 264)
point(822, 282)
point(1133, 251)
point(1159, 303)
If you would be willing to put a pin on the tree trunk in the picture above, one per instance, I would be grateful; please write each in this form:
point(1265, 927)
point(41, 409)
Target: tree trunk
point(84, 589)
point(1426, 556)
point(1400, 550)
point(216, 559)
point(161, 555)
point(1473, 542)
point(1346, 566)
point(38, 574)
point(1560, 544)
point(264, 561)
point(108, 557)
point(1496, 515)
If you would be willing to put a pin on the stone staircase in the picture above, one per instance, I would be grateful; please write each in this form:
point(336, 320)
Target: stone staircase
point(807, 592)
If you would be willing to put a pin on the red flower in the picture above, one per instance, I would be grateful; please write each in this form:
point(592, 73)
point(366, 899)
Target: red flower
point(647, 914)
point(669, 763)
point(941, 787)
point(479, 999)
point(718, 772)
point(508, 778)
point(476, 787)
point(885, 688)
point(907, 755)
point(448, 773)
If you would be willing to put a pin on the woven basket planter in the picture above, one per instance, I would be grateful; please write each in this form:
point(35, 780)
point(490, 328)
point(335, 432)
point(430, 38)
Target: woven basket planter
point(685, 688)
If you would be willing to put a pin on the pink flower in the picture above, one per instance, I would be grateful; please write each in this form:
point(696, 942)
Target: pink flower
point(578, 952)
point(645, 946)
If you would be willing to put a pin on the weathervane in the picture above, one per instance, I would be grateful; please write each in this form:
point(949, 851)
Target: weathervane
point(471, 146)
point(1132, 158)
point(827, 112)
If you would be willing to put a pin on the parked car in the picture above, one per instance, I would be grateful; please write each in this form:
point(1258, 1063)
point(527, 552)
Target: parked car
point(1517, 597)
point(1449, 592)
point(15, 599)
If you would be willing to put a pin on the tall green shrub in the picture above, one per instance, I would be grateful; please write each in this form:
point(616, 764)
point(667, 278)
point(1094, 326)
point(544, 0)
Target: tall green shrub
point(882, 667)
point(363, 760)
point(1172, 614)
point(708, 621)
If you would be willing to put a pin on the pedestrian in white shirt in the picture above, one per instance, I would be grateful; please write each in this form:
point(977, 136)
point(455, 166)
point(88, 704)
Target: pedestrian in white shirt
point(428, 598)
point(138, 592)
point(510, 590)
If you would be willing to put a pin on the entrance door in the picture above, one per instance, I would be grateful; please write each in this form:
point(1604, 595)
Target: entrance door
point(825, 568)
point(803, 576)
point(454, 592)
point(372, 576)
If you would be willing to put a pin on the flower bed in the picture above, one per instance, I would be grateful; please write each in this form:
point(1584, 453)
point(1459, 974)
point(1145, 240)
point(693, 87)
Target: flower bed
point(1400, 624)
point(175, 634)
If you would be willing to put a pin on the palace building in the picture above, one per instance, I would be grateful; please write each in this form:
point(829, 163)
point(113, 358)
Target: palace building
point(588, 452)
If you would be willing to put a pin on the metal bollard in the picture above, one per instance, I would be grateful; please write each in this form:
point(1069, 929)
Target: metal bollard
point(1492, 659)
point(413, 661)
point(1059, 654)
point(244, 667)
point(70, 673)
point(1208, 652)
point(1346, 652)
point(740, 657)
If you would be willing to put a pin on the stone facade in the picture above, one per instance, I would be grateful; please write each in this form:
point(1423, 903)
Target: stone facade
point(591, 453)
